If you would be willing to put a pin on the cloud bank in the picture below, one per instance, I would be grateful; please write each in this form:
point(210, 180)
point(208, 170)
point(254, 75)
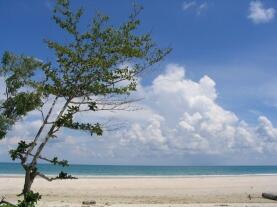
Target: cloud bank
point(187, 119)
point(180, 118)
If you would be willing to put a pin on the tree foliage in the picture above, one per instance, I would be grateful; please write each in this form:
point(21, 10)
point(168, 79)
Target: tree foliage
point(86, 76)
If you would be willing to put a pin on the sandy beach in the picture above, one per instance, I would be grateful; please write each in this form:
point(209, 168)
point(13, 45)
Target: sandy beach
point(143, 191)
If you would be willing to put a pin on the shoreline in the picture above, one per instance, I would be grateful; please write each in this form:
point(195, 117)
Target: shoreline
point(146, 176)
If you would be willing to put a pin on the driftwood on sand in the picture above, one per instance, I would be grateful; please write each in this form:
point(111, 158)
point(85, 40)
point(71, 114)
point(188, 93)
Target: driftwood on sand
point(92, 202)
point(270, 196)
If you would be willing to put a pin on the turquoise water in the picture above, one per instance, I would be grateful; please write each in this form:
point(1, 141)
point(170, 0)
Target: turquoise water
point(118, 170)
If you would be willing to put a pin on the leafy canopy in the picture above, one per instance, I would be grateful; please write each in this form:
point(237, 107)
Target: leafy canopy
point(92, 63)
point(92, 71)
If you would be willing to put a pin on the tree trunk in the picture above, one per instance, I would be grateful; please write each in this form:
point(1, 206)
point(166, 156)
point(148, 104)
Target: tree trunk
point(29, 178)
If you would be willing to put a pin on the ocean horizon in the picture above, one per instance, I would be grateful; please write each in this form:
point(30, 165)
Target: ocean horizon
point(86, 170)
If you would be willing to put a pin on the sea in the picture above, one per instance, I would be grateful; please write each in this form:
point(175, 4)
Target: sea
point(15, 169)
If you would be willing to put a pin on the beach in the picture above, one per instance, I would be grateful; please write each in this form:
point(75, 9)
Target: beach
point(143, 191)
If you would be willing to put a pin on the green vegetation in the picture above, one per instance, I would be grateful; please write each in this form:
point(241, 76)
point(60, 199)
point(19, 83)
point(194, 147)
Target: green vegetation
point(86, 77)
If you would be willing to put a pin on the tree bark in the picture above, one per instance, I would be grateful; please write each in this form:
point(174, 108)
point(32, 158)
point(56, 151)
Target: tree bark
point(30, 174)
point(41, 128)
point(48, 136)
point(29, 179)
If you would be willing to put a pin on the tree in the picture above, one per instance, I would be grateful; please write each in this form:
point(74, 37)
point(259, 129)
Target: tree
point(87, 76)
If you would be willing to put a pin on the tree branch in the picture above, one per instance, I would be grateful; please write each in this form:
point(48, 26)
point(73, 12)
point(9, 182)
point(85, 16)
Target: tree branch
point(42, 114)
point(41, 128)
point(49, 134)
point(62, 176)
point(110, 102)
point(40, 157)
point(46, 177)
point(111, 105)
point(53, 161)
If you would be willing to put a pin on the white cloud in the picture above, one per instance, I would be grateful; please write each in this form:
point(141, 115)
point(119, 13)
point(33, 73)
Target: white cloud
point(259, 14)
point(2, 87)
point(188, 4)
point(180, 118)
point(191, 121)
point(266, 131)
point(192, 118)
point(194, 6)
point(202, 7)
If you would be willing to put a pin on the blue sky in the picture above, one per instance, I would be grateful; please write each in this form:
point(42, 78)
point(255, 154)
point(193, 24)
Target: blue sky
point(234, 43)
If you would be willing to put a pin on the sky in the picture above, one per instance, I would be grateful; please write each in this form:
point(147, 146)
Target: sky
point(211, 101)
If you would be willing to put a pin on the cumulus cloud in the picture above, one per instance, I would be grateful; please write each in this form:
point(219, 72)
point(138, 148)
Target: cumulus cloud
point(180, 117)
point(259, 14)
point(190, 120)
point(194, 6)
point(266, 131)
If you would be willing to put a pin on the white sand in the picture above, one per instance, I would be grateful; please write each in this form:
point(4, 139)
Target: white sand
point(141, 192)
